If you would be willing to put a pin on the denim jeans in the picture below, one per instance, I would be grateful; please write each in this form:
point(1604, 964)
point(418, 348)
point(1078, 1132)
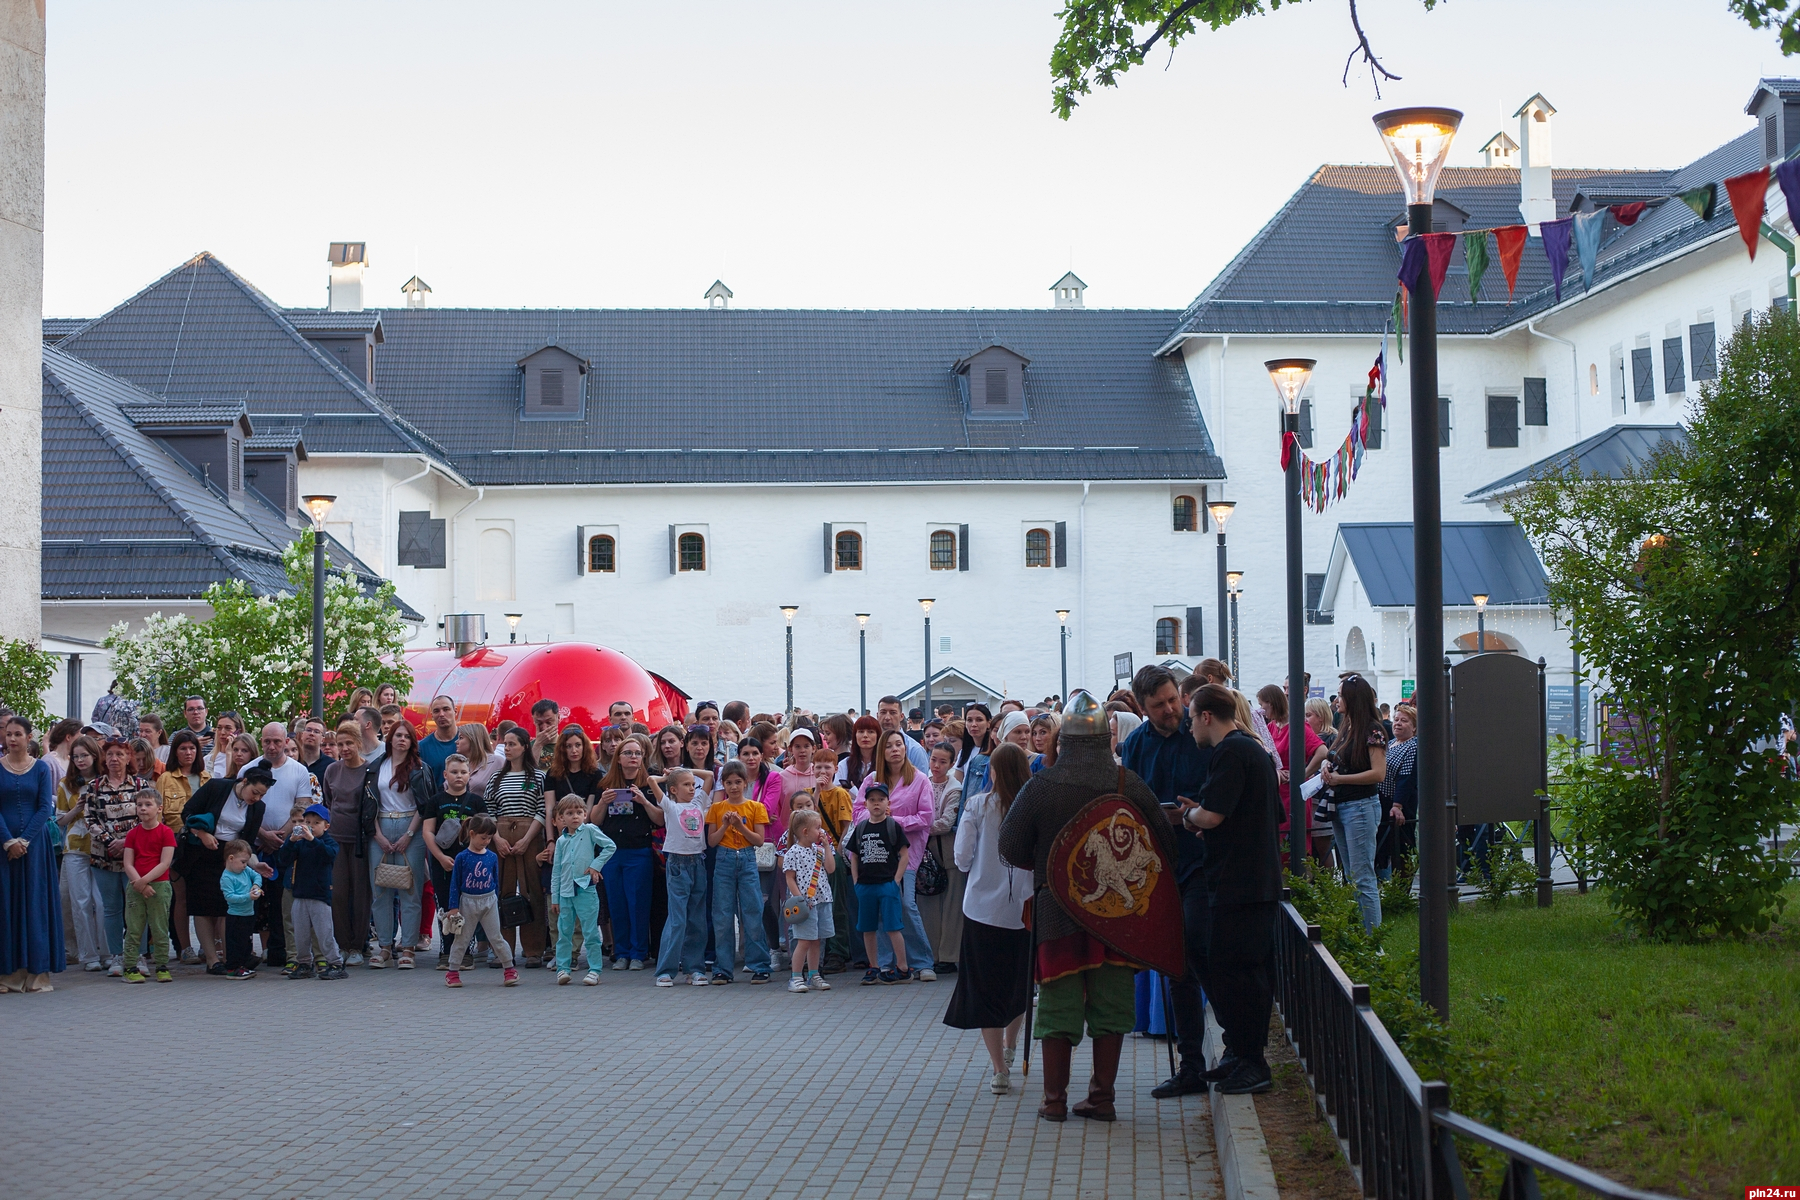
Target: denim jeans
point(580, 911)
point(111, 885)
point(627, 878)
point(684, 933)
point(1356, 826)
point(393, 828)
point(737, 892)
point(918, 946)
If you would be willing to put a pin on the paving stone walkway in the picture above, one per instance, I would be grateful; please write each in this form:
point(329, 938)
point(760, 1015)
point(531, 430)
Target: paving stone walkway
point(389, 1084)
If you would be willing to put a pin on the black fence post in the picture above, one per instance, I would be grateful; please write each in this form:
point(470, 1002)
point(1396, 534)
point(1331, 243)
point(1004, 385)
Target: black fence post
point(1541, 840)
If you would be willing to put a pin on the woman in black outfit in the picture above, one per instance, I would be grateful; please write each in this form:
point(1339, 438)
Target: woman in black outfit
point(218, 812)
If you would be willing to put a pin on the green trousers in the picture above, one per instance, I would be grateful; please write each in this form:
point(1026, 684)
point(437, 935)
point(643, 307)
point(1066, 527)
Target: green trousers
point(1103, 998)
point(150, 912)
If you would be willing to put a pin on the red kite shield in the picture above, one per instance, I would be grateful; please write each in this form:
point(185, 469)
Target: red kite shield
point(1110, 874)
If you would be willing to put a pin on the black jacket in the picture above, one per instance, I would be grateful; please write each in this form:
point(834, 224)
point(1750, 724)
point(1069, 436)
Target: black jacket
point(211, 796)
point(311, 859)
point(419, 785)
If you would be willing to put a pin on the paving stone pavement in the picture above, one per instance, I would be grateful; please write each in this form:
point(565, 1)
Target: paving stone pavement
point(390, 1084)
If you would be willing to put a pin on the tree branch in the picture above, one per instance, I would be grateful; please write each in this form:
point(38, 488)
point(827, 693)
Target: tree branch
point(1168, 22)
point(1362, 47)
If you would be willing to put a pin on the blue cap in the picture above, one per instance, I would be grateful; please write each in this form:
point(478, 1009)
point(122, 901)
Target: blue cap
point(873, 788)
point(319, 811)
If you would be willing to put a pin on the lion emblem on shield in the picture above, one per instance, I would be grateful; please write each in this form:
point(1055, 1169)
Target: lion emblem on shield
point(1118, 865)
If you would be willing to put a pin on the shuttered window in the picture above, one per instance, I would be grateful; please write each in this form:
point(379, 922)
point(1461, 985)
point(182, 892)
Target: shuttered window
point(1674, 375)
point(1037, 548)
point(1702, 350)
point(995, 386)
point(1372, 438)
point(943, 550)
point(601, 556)
point(1537, 402)
point(1061, 555)
point(1194, 631)
point(1643, 381)
point(235, 453)
point(1443, 421)
point(1315, 591)
point(1168, 636)
point(1306, 423)
point(1503, 422)
point(550, 388)
point(1771, 145)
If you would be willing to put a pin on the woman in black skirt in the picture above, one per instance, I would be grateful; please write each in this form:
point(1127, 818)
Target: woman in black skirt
point(993, 977)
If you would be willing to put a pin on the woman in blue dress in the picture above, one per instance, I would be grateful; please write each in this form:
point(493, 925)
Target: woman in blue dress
point(31, 924)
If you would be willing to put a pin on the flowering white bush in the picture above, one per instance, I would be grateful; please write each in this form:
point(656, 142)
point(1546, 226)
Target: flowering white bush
point(254, 655)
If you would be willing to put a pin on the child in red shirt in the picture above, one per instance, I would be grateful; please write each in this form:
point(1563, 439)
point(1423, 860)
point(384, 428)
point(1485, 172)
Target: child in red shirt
point(149, 849)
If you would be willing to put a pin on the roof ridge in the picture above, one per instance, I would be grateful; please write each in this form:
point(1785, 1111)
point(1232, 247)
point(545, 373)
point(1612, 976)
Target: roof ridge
point(1230, 270)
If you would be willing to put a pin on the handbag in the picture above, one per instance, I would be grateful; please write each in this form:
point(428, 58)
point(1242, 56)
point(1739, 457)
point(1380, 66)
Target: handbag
point(516, 909)
point(765, 856)
point(398, 876)
point(796, 909)
point(932, 879)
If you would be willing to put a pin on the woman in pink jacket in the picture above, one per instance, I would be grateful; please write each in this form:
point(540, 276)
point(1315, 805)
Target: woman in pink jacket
point(909, 801)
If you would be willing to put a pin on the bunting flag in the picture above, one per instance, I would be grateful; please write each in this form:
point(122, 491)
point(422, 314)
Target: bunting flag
point(1556, 249)
point(1398, 317)
point(1323, 482)
point(1587, 242)
point(1627, 214)
point(1749, 194)
point(1426, 252)
point(1511, 240)
point(1787, 174)
point(1703, 200)
point(1475, 256)
point(1287, 449)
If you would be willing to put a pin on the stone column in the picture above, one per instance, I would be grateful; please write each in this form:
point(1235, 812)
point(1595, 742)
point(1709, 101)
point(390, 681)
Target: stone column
point(21, 314)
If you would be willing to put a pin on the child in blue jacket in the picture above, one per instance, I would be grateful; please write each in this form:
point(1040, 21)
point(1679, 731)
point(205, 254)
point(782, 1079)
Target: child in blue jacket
point(574, 900)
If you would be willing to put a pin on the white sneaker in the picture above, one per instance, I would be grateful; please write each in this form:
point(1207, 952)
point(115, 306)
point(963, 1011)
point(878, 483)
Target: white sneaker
point(636, 964)
point(817, 983)
point(1001, 1083)
point(354, 960)
point(115, 968)
point(96, 965)
point(700, 979)
point(927, 975)
point(665, 981)
point(797, 984)
point(593, 977)
point(562, 977)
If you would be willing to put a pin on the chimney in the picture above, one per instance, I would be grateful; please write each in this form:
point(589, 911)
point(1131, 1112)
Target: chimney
point(1500, 151)
point(1068, 291)
point(347, 262)
point(416, 290)
point(1537, 202)
point(718, 295)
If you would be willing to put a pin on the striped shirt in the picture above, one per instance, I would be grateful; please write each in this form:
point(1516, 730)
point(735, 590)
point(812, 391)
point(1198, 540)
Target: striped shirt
point(1400, 759)
point(516, 794)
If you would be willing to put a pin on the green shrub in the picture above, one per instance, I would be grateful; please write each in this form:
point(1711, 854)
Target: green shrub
point(1397, 898)
point(1503, 872)
point(24, 674)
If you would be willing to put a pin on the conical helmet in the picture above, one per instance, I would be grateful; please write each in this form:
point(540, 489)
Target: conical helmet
point(1082, 716)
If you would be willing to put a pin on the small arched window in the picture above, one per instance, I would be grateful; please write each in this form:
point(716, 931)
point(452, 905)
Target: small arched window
point(943, 550)
point(1037, 548)
point(601, 553)
point(691, 550)
point(1168, 635)
point(849, 551)
point(1187, 514)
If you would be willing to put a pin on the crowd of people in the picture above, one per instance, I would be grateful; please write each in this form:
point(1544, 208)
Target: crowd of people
point(732, 845)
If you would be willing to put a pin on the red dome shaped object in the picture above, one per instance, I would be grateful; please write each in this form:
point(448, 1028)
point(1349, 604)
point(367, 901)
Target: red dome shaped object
point(501, 683)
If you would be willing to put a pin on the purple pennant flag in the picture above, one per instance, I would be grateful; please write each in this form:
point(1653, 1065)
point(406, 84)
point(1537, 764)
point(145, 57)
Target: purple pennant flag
point(1787, 174)
point(1556, 249)
point(1414, 259)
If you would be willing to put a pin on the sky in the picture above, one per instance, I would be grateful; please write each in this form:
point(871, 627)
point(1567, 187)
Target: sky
point(823, 154)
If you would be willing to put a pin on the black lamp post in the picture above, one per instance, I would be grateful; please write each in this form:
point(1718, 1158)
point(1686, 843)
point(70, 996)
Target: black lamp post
point(1418, 140)
point(1062, 617)
point(1234, 585)
point(926, 603)
point(862, 659)
point(1290, 376)
point(788, 611)
point(1221, 513)
point(317, 507)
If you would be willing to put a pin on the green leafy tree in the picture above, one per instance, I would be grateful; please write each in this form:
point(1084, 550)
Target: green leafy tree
point(254, 654)
point(1683, 579)
point(1102, 39)
point(24, 674)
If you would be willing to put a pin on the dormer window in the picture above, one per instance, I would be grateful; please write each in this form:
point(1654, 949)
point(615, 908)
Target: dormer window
point(553, 385)
point(992, 384)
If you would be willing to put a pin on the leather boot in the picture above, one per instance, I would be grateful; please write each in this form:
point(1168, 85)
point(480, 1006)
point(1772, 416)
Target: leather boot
point(1099, 1103)
point(1055, 1053)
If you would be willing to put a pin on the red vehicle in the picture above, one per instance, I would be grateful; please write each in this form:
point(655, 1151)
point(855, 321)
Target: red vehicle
point(501, 683)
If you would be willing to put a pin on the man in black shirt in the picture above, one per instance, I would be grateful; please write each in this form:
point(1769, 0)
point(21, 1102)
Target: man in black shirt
point(1238, 814)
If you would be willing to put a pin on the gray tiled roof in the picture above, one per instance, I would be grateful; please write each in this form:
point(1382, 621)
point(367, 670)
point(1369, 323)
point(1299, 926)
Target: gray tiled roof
point(1607, 454)
point(325, 320)
point(199, 414)
point(769, 396)
point(124, 517)
point(203, 332)
point(57, 328)
point(1490, 556)
point(1326, 262)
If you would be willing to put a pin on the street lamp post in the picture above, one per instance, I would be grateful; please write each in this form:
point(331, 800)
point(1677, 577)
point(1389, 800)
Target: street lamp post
point(1481, 599)
point(1418, 140)
point(788, 611)
point(1234, 584)
point(862, 660)
point(512, 626)
point(317, 507)
point(1221, 512)
point(1290, 376)
point(926, 604)
point(1062, 637)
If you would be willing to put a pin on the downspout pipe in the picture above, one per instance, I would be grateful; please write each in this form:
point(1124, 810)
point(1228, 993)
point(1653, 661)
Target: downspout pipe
point(1787, 248)
point(1575, 362)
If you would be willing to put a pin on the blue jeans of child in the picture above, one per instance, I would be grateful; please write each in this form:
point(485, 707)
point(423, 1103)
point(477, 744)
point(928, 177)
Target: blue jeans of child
point(737, 892)
point(628, 898)
point(684, 933)
point(580, 911)
point(1356, 825)
point(918, 946)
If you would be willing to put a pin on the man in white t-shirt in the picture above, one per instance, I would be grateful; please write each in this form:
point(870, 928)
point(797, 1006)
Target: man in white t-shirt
point(295, 788)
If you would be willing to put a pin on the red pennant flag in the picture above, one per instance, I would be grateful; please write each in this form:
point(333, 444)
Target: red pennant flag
point(1627, 214)
point(1511, 240)
point(1287, 448)
point(1748, 195)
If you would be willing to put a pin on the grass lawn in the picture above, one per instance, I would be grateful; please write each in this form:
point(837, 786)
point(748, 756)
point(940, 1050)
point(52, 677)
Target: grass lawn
point(1669, 1067)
